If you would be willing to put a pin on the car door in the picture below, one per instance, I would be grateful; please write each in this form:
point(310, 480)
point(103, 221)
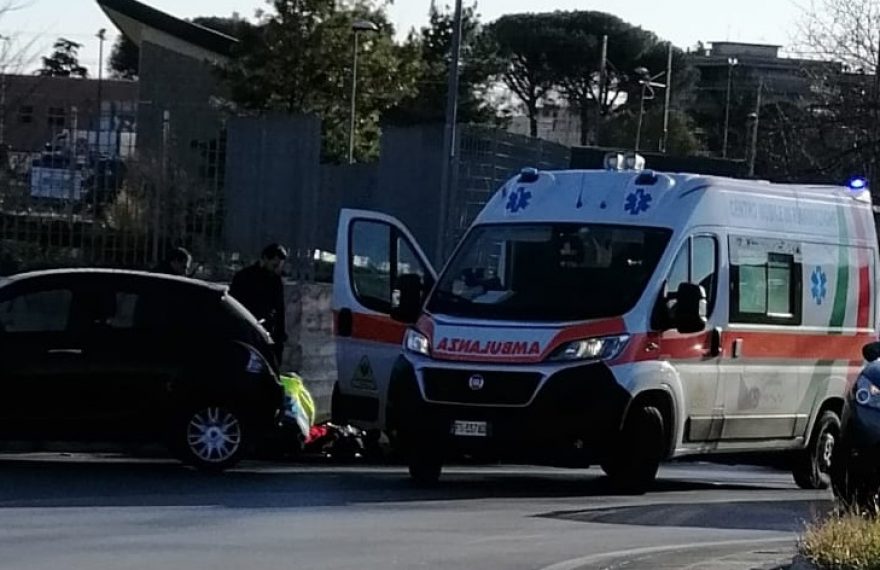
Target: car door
point(133, 357)
point(697, 357)
point(767, 341)
point(42, 358)
point(372, 251)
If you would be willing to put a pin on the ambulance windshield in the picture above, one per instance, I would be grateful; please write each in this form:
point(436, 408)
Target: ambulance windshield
point(549, 272)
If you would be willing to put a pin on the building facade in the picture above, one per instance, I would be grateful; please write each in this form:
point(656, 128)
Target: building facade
point(36, 111)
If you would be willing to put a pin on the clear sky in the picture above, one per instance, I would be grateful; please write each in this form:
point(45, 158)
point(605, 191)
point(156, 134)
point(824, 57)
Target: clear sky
point(35, 24)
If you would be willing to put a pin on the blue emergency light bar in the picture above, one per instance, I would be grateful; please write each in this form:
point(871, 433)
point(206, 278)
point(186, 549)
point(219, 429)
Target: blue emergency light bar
point(857, 183)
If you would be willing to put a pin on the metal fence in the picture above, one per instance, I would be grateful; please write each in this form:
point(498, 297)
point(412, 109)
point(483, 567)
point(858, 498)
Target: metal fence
point(88, 199)
point(102, 199)
point(487, 158)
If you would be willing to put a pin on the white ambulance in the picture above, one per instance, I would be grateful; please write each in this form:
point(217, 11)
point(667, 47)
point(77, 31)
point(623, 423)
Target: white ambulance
point(614, 318)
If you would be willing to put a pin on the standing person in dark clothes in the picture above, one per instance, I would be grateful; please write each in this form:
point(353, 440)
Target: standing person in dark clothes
point(261, 290)
point(177, 263)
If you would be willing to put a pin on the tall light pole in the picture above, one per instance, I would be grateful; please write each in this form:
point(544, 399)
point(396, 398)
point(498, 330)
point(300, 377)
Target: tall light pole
point(755, 119)
point(102, 37)
point(667, 100)
point(446, 174)
point(731, 63)
point(600, 97)
point(647, 82)
point(360, 26)
point(4, 54)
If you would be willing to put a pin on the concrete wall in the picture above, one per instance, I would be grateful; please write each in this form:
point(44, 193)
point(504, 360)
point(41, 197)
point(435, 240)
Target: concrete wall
point(310, 350)
point(342, 186)
point(272, 183)
point(410, 170)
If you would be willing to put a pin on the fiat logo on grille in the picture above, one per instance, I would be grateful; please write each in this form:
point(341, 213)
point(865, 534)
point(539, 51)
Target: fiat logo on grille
point(476, 382)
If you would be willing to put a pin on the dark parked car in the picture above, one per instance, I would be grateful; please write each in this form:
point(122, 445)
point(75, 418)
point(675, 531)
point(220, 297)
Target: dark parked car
point(121, 356)
point(855, 467)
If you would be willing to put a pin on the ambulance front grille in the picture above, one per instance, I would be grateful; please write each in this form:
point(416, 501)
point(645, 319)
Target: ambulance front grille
point(498, 388)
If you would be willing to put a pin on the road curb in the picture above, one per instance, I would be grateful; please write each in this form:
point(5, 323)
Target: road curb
point(588, 562)
point(799, 563)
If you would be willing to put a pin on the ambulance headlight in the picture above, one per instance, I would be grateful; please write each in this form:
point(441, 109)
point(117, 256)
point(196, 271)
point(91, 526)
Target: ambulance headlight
point(867, 393)
point(414, 341)
point(601, 348)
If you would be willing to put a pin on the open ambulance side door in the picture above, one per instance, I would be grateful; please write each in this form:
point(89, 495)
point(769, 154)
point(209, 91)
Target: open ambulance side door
point(373, 251)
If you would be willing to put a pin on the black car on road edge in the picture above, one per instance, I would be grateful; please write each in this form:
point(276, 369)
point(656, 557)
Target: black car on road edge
point(131, 357)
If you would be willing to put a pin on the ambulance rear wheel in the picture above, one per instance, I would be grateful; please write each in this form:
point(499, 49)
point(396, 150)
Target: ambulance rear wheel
point(636, 459)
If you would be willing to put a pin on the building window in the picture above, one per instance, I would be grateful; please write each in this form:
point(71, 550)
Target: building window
point(26, 114)
point(57, 117)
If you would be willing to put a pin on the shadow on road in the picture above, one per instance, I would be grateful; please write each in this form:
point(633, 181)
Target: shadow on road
point(783, 516)
point(68, 482)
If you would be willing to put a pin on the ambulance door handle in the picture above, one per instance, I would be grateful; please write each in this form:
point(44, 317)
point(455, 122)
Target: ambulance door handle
point(344, 323)
point(715, 348)
point(737, 347)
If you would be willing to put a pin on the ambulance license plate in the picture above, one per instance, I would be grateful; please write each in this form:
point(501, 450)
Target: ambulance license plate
point(470, 429)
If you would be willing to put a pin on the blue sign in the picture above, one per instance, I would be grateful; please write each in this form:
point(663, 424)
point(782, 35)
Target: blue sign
point(819, 289)
point(638, 202)
point(519, 200)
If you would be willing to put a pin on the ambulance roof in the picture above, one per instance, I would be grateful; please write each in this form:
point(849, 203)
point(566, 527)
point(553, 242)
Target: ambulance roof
point(677, 201)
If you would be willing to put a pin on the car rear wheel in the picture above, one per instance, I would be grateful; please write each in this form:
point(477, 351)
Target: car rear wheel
point(211, 437)
point(633, 464)
point(812, 470)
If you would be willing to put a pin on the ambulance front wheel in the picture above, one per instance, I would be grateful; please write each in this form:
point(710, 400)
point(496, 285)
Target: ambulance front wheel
point(634, 463)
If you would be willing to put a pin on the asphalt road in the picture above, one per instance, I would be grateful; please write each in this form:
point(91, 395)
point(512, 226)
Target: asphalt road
point(84, 512)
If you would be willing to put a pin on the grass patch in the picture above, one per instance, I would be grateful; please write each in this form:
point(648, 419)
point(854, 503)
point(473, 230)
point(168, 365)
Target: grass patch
point(843, 542)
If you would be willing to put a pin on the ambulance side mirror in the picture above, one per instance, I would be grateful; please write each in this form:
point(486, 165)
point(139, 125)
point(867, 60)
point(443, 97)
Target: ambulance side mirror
point(689, 310)
point(871, 351)
point(406, 302)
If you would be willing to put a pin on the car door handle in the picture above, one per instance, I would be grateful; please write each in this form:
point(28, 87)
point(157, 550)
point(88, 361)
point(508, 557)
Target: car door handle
point(70, 351)
point(737, 348)
point(345, 323)
point(715, 347)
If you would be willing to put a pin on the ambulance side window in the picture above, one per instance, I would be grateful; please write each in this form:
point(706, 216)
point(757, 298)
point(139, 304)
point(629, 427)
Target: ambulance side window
point(697, 263)
point(765, 281)
point(371, 264)
point(379, 255)
point(407, 260)
point(704, 267)
point(680, 269)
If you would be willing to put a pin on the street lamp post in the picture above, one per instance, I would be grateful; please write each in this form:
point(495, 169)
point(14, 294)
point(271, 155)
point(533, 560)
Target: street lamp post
point(731, 63)
point(102, 37)
point(755, 119)
point(357, 28)
point(448, 176)
point(647, 82)
point(644, 85)
point(5, 55)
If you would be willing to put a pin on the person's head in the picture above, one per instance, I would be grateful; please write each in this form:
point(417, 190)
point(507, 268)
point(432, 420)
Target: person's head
point(273, 257)
point(179, 261)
